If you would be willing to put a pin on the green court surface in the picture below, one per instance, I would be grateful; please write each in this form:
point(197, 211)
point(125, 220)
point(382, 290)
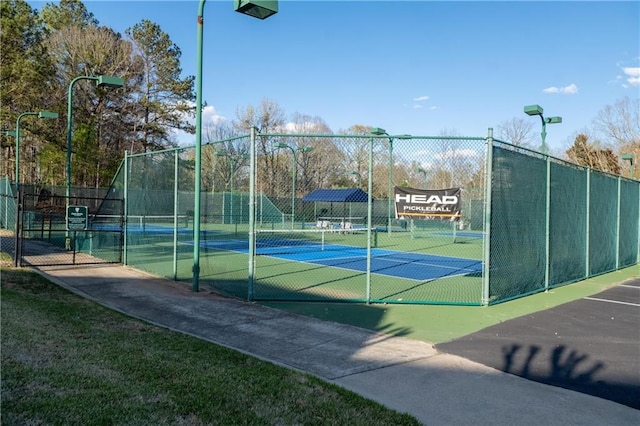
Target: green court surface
point(442, 323)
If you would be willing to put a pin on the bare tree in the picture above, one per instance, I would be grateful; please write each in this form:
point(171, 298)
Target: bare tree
point(619, 123)
point(94, 51)
point(268, 117)
point(517, 131)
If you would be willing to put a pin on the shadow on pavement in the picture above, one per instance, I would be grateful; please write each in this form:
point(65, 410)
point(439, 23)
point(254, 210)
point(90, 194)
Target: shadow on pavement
point(589, 345)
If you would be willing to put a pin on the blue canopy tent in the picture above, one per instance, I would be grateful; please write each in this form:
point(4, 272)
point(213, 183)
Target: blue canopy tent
point(325, 216)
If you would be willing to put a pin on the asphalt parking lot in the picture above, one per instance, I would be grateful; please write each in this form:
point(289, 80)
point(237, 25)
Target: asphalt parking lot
point(591, 345)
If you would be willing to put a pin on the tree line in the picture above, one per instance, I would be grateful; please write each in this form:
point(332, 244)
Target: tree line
point(43, 51)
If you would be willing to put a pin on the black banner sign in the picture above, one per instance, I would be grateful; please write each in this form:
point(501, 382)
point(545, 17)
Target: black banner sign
point(414, 203)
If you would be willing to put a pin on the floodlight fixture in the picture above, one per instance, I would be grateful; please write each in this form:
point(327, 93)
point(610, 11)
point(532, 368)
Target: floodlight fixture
point(533, 110)
point(378, 131)
point(629, 158)
point(260, 9)
point(537, 110)
point(109, 81)
point(47, 114)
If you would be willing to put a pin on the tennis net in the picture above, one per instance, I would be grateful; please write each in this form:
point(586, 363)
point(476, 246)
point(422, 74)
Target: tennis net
point(151, 223)
point(295, 241)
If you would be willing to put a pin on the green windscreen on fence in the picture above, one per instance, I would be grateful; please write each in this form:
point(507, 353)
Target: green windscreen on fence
point(551, 222)
point(603, 223)
point(567, 223)
point(7, 205)
point(517, 236)
point(629, 232)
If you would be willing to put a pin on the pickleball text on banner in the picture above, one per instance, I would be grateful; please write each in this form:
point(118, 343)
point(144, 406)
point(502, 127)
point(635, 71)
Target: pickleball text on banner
point(428, 204)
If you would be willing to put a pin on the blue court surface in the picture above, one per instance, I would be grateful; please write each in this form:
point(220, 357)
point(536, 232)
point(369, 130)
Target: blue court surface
point(413, 266)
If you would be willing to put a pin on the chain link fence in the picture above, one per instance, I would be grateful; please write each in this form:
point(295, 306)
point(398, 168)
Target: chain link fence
point(525, 222)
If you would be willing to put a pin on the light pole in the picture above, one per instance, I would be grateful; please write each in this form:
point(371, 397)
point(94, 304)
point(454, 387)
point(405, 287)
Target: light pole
point(629, 158)
point(537, 110)
point(260, 9)
point(424, 175)
point(101, 80)
point(40, 114)
point(233, 162)
point(294, 174)
point(354, 173)
point(381, 132)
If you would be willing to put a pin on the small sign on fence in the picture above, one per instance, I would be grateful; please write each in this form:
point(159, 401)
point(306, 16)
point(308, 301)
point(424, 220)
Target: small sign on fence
point(77, 218)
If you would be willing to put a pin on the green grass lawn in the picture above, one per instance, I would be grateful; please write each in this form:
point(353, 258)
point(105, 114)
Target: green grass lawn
point(67, 360)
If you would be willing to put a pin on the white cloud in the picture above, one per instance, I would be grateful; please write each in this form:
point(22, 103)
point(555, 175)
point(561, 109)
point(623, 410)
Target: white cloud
point(631, 71)
point(210, 117)
point(633, 74)
point(634, 81)
point(421, 99)
point(567, 90)
point(417, 106)
point(434, 108)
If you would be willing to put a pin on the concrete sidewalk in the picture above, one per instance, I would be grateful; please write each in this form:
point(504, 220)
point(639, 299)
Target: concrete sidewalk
point(402, 374)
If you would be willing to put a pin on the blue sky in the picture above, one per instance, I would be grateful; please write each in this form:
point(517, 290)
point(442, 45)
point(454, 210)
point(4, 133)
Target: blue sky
point(410, 67)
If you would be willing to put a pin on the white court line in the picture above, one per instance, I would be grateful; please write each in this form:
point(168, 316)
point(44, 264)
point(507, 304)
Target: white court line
point(613, 301)
point(629, 286)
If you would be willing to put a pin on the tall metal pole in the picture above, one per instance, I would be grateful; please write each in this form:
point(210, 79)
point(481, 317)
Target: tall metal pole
point(67, 193)
point(198, 154)
point(543, 148)
point(70, 129)
point(18, 145)
point(389, 192)
point(369, 219)
point(231, 167)
point(252, 214)
point(40, 114)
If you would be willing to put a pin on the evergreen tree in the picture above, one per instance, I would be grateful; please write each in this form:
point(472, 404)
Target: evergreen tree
point(164, 99)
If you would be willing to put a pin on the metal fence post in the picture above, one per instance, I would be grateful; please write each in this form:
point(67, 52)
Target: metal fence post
point(547, 213)
point(618, 223)
point(369, 219)
point(252, 214)
point(486, 257)
point(588, 230)
point(125, 209)
point(175, 215)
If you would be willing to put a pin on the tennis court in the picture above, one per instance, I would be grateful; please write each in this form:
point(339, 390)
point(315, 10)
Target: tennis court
point(325, 248)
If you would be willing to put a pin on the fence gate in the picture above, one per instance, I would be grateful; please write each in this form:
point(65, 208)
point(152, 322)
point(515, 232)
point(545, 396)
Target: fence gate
point(84, 230)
